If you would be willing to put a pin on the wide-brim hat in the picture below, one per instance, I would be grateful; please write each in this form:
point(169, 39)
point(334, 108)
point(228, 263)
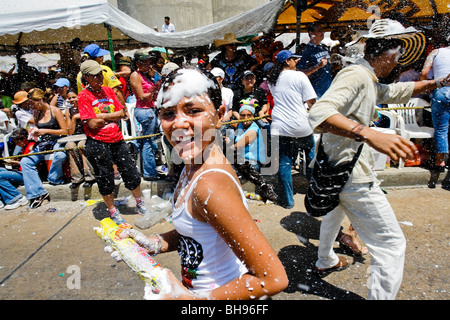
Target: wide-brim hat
point(20, 96)
point(229, 38)
point(413, 40)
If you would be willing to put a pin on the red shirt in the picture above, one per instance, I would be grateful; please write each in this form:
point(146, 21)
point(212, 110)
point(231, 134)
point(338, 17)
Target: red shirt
point(104, 101)
point(125, 90)
point(28, 148)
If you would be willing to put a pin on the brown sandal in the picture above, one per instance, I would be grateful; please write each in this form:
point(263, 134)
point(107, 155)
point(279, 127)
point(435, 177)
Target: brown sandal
point(349, 242)
point(341, 265)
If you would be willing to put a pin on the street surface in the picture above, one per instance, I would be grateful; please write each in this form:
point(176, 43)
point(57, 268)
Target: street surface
point(52, 253)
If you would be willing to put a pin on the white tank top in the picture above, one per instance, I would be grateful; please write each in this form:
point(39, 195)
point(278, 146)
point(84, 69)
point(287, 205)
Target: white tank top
point(441, 64)
point(207, 262)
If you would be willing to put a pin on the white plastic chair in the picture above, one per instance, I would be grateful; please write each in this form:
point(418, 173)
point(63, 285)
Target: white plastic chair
point(131, 131)
point(380, 159)
point(409, 128)
point(6, 149)
point(5, 141)
point(393, 122)
point(407, 122)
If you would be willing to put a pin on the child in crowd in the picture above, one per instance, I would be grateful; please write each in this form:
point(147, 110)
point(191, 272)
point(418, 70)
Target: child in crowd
point(81, 169)
point(251, 150)
point(249, 142)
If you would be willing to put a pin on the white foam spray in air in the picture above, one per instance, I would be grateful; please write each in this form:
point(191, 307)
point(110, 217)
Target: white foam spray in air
point(188, 83)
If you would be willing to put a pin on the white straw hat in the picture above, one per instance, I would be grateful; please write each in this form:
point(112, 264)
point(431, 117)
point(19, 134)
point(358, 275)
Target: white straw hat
point(413, 40)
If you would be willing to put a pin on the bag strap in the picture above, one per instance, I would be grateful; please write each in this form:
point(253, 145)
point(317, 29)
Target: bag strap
point(358, 153)
point(355, 157)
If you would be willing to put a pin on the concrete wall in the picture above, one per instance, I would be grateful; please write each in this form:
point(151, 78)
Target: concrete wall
point(224, 9)
point(185, 15)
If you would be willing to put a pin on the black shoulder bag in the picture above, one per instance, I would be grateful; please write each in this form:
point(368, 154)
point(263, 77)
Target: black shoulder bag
point(327, 182)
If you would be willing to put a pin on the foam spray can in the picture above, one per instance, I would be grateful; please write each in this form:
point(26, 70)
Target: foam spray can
point(135, 257)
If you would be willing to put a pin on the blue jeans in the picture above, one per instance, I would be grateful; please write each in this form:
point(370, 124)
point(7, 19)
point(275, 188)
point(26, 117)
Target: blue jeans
point(9, 181)
point(440, 113)
point(149, 123)
point(288, 149)
point(33, 183)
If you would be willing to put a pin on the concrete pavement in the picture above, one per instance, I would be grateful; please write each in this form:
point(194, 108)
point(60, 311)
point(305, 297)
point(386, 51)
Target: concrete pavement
point(52, 252)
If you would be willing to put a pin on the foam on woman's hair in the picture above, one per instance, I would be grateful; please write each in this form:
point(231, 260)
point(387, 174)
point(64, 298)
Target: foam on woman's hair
point(188, 83)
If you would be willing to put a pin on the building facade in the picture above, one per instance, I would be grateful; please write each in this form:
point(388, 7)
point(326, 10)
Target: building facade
point(185, 15)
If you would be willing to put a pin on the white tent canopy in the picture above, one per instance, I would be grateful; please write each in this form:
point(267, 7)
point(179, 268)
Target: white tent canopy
point(54, 22)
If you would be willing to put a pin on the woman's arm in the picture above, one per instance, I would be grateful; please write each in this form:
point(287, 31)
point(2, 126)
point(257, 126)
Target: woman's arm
point(124, 71)
point(54, 100)
point(428, 64)
point(310, 103)
point(309, 71)
point(246, 139)
point(136, 86)
point(154, 244)
point(264, 111)
point(224, 210)
point(102, 119)
point(71, 121)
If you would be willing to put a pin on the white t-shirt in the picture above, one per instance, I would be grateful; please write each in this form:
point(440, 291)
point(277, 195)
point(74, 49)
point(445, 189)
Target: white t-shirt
point(289, 114)
point(22, 117)
point(4, 122)
point(441, 65)
point(167, 28)
point(227, 97)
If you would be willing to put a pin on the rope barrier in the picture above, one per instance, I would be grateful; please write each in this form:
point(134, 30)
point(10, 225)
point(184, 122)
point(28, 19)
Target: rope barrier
point(244, 120)
point(127, 139)
point(403, 108)
point(160, 133)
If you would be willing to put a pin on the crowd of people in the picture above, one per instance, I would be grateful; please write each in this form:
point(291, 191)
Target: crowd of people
point(255, 100)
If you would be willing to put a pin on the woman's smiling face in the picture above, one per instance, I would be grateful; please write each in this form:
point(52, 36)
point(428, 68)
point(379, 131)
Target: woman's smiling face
point(187, 113)
point(190, 126)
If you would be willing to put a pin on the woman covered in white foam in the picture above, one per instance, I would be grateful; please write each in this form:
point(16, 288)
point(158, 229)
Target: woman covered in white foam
point(223, 253)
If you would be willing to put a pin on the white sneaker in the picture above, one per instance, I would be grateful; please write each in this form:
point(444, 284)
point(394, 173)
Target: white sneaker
point(117, 218)
point(140, 208)
point(21, 202)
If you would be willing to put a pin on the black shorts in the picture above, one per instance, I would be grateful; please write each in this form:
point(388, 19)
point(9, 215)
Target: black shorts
point(102, 156)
